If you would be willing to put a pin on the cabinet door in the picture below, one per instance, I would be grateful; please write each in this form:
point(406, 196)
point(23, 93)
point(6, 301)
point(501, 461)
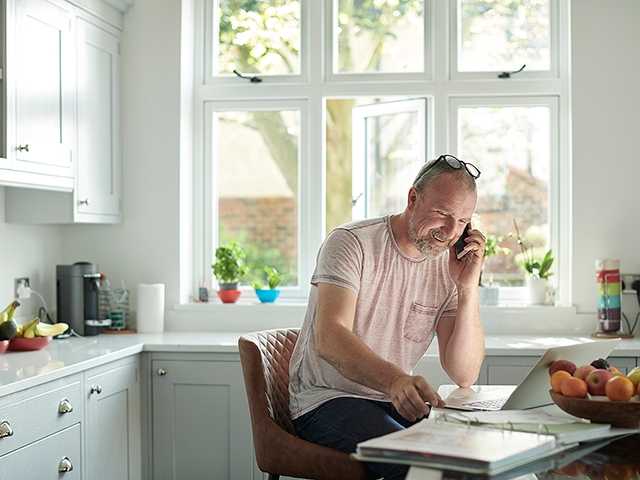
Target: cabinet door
point(113, 424)
point(98, 181)
point(201, 426)
point(43, 78)
point(56, 457)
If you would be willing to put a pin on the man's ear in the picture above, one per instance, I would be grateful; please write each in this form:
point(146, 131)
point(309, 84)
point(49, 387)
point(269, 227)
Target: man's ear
point(412, 198)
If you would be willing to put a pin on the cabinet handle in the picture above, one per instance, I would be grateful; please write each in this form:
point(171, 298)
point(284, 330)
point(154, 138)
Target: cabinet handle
point(84, 202)
point(23, 148)
point(162, 372)
point(5, 430)
point(65, 406)
point(95, 389)
point(65, 465)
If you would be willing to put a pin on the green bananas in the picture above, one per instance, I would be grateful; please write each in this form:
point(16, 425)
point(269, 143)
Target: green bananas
point(8, 326)
point(7, 313)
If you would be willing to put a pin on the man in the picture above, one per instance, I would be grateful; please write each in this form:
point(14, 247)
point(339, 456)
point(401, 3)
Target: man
point(382, 289)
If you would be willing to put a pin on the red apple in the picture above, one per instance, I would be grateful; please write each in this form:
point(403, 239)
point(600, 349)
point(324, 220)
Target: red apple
point(597, 381)
point(583, 371)
point(565, 365)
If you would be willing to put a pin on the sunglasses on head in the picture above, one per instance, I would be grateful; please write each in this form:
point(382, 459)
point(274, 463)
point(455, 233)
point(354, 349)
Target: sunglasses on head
point(454, 163)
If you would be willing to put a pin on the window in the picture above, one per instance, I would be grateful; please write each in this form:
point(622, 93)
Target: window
point(354, 96)
point(260, 210)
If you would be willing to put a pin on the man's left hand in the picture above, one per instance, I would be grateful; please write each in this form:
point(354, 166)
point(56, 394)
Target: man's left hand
point(466, 270)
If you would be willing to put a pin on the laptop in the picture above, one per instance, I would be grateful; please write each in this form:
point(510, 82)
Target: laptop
point(534, 389)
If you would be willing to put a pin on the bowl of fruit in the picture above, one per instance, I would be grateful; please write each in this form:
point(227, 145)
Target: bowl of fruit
point(35, 335)
point(598, 392)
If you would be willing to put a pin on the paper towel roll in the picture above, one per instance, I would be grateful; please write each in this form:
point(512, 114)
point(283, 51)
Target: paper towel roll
point(150, 311)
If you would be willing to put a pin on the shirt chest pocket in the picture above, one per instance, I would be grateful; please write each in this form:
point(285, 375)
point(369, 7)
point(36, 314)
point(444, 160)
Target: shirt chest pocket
point(420, 324)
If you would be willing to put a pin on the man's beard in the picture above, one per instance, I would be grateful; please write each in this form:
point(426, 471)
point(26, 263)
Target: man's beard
point(427, 245)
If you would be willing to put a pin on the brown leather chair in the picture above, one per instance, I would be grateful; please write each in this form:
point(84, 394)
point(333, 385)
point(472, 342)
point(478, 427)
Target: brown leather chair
point(265, 364)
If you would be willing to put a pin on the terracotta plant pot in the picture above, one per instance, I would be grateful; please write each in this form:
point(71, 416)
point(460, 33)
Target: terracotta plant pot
point(229, 296)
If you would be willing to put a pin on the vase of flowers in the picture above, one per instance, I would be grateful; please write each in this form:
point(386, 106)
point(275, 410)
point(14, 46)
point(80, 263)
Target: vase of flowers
point(538, 268)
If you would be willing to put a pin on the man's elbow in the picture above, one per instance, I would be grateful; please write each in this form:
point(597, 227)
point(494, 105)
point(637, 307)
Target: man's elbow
point(323, 345)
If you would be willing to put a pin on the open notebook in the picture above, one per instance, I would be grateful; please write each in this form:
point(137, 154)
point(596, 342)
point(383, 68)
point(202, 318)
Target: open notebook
point(458, 447)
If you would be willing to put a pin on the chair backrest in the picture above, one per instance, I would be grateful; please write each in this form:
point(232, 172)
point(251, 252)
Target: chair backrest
point(276, 347)
point(265, 360)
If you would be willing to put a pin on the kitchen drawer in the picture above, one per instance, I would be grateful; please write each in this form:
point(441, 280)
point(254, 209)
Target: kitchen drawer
point(46, 459)
point(33, 417)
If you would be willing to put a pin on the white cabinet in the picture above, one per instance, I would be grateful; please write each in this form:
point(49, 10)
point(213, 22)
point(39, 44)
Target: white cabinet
point(56, 457)
point(113, 428)
point(40, 94)
point(63, 142)
point(98, 180)
point(201, 427)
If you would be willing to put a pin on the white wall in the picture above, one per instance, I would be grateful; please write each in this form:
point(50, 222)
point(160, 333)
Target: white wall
point(144, 248)
point(606, 130)
point(606, 99)
point(28, 251)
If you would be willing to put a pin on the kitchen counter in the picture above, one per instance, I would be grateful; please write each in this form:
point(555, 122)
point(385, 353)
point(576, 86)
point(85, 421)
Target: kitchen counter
point(21, 370)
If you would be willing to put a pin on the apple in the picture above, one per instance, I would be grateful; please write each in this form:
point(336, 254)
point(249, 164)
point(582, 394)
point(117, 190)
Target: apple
point(619, 389)
point(583, 371)
point(634, 376)
point(597, 381)
point(565, 365)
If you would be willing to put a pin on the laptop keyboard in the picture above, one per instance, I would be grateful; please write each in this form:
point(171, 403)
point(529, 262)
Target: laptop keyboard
point(493, 404)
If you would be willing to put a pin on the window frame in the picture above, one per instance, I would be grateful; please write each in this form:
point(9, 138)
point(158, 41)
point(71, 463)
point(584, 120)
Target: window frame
point(359, 148)
point(331, 47)
point(556, 226)
point(317, 84)
point(209, 57)
point(554, 49)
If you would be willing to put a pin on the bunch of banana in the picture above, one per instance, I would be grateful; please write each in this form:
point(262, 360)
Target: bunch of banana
point(8, 325)
point(35, 328)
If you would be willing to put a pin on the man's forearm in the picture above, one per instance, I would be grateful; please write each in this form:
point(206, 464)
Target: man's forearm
point(356, 361)
point(465, 349)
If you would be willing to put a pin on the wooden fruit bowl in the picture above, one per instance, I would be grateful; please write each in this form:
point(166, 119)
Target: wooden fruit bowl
point(601, 410)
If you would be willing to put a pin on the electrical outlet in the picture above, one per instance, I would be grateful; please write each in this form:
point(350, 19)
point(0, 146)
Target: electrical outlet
point(18, 282)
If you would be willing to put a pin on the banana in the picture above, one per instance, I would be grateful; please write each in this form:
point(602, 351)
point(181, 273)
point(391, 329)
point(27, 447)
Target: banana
point(28, 329)
point(46, 330)
point(7, 313)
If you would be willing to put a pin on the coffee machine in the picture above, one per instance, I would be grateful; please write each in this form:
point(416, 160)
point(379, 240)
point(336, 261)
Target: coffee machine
point(77, 289)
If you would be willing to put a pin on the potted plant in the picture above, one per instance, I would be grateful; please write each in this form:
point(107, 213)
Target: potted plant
point(273, 280)
point(230, 267)
point(489, 292)
point(538, 268)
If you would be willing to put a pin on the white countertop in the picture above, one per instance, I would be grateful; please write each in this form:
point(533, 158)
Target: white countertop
point(21, 370)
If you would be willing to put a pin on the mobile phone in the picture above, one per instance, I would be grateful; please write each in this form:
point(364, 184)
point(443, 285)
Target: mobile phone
point(460, 243)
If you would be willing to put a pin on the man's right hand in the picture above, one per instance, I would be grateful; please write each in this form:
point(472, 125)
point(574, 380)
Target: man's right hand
point(409, 394)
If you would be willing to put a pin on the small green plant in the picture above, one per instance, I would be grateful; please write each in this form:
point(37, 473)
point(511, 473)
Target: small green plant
point(230, 265)
point(536, 265)
point(274, 278)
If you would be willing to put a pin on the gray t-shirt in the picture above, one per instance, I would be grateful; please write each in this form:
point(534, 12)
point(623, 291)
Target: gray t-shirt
point(399, 302)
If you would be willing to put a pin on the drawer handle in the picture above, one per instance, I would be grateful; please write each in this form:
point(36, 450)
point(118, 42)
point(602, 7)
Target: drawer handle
point(65, 407)
point(162, 372)
point(5, 430)
point(84, 202)
point(65, 465)
point(23, 148)
point(95, 389)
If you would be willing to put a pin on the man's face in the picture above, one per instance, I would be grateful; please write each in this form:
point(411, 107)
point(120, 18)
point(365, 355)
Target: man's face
point(439, 214)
